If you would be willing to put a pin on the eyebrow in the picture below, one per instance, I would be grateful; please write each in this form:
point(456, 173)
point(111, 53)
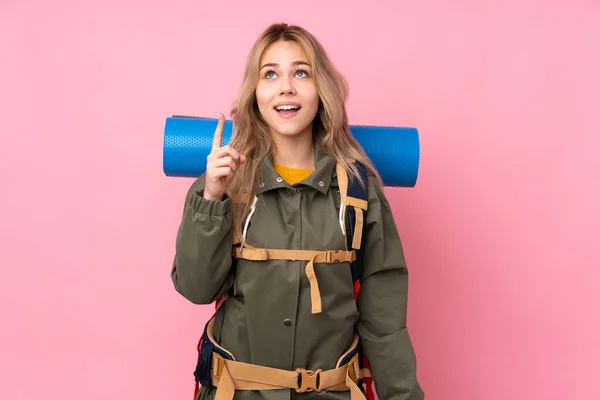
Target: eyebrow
point(295, 63)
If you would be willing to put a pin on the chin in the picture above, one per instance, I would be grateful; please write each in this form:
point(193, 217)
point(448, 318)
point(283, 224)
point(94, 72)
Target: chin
point(289, 131)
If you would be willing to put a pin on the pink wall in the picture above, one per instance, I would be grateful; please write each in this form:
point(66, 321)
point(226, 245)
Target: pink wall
point(501, 231)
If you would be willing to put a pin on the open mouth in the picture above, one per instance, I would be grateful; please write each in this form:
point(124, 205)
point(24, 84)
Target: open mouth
point(287, 110)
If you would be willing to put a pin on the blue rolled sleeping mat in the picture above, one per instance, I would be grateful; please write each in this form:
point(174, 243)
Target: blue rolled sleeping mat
point(393, 150)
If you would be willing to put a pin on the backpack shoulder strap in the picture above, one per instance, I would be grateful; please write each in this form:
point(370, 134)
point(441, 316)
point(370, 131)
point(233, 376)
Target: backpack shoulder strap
point(354, 213)
point(355, 202)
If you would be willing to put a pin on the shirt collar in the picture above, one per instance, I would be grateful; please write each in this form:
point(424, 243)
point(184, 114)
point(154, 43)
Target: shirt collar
point(320, 179)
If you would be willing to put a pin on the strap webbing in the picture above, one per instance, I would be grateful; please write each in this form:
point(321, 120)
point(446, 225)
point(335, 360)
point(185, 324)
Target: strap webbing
point(354, 202)
point(358, 228)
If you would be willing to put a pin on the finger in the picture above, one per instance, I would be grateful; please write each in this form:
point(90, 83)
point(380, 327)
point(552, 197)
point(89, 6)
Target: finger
point(225, 151)
point(229, 178)
point(220, 172)
point(223, 162)
point(232, 152)
point(218, 138)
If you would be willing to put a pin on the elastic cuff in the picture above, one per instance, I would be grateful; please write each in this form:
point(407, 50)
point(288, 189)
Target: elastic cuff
point(210, 207)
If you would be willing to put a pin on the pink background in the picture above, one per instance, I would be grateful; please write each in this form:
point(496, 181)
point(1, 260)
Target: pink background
point(500, 232)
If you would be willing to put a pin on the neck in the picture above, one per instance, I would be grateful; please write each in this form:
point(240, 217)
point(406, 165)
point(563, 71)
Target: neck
point(294, 152)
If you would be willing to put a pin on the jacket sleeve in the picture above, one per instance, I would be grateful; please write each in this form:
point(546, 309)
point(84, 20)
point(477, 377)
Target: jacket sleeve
point(382, 304)
point(202, 266)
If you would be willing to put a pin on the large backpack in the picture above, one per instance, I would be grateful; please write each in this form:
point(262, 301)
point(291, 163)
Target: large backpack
point(354, 204)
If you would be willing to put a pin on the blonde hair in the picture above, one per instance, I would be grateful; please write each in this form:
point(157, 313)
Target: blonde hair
point(250, 134)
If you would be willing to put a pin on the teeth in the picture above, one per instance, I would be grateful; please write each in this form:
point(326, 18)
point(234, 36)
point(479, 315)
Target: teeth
point(287, 108)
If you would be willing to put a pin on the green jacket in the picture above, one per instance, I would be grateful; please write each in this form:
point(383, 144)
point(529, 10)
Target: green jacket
point(269, 322)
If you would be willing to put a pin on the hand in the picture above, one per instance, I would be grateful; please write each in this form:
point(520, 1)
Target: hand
point(221, 165)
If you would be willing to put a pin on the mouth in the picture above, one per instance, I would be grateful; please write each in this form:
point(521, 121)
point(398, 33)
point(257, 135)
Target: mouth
point(287, 110)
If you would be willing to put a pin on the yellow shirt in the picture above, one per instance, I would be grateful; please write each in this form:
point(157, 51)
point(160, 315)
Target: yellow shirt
point(292, 175)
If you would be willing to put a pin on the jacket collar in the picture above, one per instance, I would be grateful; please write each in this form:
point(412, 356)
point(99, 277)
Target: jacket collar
point(320, 179)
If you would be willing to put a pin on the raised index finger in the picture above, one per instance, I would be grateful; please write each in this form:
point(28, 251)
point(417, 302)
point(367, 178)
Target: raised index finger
point(218, 138)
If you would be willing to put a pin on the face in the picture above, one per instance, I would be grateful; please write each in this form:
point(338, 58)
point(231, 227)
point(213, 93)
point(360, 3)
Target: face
point(286, 93)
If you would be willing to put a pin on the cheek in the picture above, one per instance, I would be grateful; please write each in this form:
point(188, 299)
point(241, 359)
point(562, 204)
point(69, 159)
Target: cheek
point(263, 97)
point(314, 98)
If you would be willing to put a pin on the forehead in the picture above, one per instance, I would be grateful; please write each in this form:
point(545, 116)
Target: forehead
point(283, 53)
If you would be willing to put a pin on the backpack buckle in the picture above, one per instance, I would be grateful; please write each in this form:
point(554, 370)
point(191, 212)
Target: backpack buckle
point(334, 256)
point(308, 381)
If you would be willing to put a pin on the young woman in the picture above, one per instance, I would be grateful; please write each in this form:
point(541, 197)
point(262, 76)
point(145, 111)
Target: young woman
point(263, 236)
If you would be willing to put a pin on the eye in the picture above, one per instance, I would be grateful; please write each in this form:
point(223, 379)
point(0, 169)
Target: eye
point(269, 74)
point(305, 74)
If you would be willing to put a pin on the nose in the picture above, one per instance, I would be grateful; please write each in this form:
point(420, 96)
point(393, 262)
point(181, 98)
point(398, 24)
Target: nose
point(287, 86)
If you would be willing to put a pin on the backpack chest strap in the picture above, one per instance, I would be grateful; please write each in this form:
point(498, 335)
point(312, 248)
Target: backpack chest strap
point(312, 256)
